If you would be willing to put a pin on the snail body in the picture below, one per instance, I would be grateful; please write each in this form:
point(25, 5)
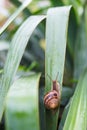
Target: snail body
point(52, 98)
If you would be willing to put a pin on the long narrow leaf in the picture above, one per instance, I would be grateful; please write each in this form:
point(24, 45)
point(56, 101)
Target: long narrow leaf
point(18, 3)
point(56, 36)
point(15, 54)
point(80, 62)
point(22, 107)
point(77, 115)
point(64, 115)
point(15, 14)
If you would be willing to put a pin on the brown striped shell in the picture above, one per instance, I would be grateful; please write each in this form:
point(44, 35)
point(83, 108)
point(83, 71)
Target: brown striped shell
point(51, 99)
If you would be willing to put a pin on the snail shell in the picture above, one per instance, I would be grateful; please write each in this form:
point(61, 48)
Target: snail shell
point(51, 99)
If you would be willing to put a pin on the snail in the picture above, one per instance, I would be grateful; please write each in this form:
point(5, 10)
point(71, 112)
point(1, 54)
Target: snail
point(52, 98)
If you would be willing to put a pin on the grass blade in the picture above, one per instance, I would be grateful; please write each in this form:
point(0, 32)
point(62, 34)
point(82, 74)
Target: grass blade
point(17, 12)
point(22, 108)
point(15, 54)
point(56, 36)
point(80, 62)
point(64, 115)
point(17, 4)
point(77, 115)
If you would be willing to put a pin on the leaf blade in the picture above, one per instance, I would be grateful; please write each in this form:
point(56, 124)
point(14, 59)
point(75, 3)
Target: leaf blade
point(78, 107)
point(55, 53)
point(14, 15)
point(15, 54)
point(22, 108)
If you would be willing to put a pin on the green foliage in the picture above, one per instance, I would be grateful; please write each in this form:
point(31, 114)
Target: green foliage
point(21, 8)
point(77, 115)
point(55, 53)
point(15, 54)
point(24, 106)
point(80, 62)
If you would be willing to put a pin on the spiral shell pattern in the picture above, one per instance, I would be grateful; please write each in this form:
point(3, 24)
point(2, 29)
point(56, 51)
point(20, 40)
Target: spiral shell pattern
point(51, 99)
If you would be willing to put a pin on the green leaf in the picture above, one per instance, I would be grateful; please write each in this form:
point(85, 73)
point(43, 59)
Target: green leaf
point(56, 36)
point(15, 54)
point(18, 3)
point(22, 107)
point(66, 94)
point(77, 115)
point(15, 14)
point(80, 62)
point(64, 115)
